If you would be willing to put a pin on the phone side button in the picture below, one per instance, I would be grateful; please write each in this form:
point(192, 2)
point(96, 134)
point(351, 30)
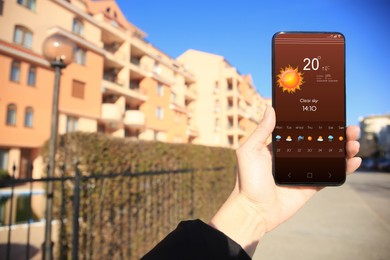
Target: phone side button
point(309, 175)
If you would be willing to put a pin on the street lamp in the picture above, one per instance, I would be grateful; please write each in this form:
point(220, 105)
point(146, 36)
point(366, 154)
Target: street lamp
point(58, 50)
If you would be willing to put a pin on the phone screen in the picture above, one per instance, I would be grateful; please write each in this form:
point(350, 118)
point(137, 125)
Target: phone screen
point(309, 100)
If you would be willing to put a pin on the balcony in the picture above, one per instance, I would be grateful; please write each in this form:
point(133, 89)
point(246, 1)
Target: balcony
point(160, 79)
point(241, 131)
point(230, 72)
point(177, 107)
point(111, 113)
point(134, 119)
point(137, 69)
point(191, 93)
point(109, 29)
point(230, 93)
point(241, 113)
point(113, 48)
point(112, 58)
point(190, 106)
point(192, 130)
point(141, 45)
point(231, 130)
point(119, 88)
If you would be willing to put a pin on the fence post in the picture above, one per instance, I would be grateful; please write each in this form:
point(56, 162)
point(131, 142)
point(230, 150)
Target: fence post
point(192, 194)
point(76, 209)
point(8, 255)
point(63, 252)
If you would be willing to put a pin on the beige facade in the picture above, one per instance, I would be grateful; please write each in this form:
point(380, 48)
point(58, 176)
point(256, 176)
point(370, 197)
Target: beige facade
point(375, 136)
point(118, 84)
point(228, 107)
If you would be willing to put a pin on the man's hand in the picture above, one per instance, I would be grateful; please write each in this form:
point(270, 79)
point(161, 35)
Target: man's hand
point(257, 205)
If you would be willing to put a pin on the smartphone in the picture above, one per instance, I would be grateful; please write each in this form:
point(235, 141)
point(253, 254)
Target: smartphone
point(308, 95)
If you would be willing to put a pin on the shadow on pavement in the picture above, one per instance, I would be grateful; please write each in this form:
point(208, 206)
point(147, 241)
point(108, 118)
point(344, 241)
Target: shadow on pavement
point(18, 251)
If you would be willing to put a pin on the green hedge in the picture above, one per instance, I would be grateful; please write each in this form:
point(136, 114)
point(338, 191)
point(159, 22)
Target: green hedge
point(140, 210)
point(98, 152)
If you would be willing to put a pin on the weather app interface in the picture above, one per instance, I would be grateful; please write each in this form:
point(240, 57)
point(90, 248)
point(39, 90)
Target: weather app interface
point(309, 100)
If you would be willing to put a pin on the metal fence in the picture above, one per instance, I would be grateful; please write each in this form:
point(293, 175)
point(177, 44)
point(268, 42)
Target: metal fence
point(105, 216)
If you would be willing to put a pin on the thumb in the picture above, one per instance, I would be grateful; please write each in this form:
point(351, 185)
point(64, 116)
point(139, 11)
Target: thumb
point(264, 129)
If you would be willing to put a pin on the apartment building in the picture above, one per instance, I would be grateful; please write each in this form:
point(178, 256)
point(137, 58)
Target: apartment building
point(118, 84)
point(26, 82)
point(147, 95)
point(228, 105)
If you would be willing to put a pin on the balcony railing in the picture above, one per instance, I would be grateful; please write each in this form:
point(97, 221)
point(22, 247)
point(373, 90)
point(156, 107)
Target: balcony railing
point(239, 130)
point(111, 112)
point(110, 80)
point(191, 93)
point(134, 119)
point(119, 88)
point(116, 59)
point(229, 92)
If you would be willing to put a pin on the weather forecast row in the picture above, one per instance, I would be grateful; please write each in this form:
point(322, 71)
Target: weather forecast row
point(300, 138)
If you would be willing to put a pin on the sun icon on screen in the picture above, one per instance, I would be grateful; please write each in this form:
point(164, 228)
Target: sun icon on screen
point(290, 79)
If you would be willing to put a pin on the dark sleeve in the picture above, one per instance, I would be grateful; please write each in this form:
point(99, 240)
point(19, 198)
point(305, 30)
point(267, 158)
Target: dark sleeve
point(194, 239)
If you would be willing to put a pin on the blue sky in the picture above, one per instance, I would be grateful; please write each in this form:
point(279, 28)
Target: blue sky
point(242, 30)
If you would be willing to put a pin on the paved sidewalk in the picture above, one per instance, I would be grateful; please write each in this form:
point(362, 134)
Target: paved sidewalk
point(347, 222)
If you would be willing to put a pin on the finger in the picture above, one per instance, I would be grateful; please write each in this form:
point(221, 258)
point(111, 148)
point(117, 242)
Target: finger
point(352, 133)
point(352, 148)
point(353, 164)
point(259, 137)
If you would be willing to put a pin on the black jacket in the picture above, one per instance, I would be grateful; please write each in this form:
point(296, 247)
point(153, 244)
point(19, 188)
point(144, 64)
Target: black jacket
point(196, 240)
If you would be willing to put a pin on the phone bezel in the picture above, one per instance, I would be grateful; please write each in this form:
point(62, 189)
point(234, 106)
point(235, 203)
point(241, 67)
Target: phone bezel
point(309, 183)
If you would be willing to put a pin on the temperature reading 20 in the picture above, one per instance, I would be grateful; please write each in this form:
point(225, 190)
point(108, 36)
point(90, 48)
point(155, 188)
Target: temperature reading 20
point(311, 64)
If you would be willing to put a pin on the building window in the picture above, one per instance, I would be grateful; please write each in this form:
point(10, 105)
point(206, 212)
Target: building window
point(1, 6)
point(216, 87)
point(78, 26)
point(30, 4)
point(15, 71)
point(78, 88)
point(4, 159)
point(160, 90)
point(230, 140)
point(217, 106)
point(156, 68)
point(23, 36)
point(29, 117)
point(79, 55)
point(216, 125)
point(173, 97)
point(32, 74)
point(11, 114)
point(71, 124)
point(229, 85)
point(159, 113)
